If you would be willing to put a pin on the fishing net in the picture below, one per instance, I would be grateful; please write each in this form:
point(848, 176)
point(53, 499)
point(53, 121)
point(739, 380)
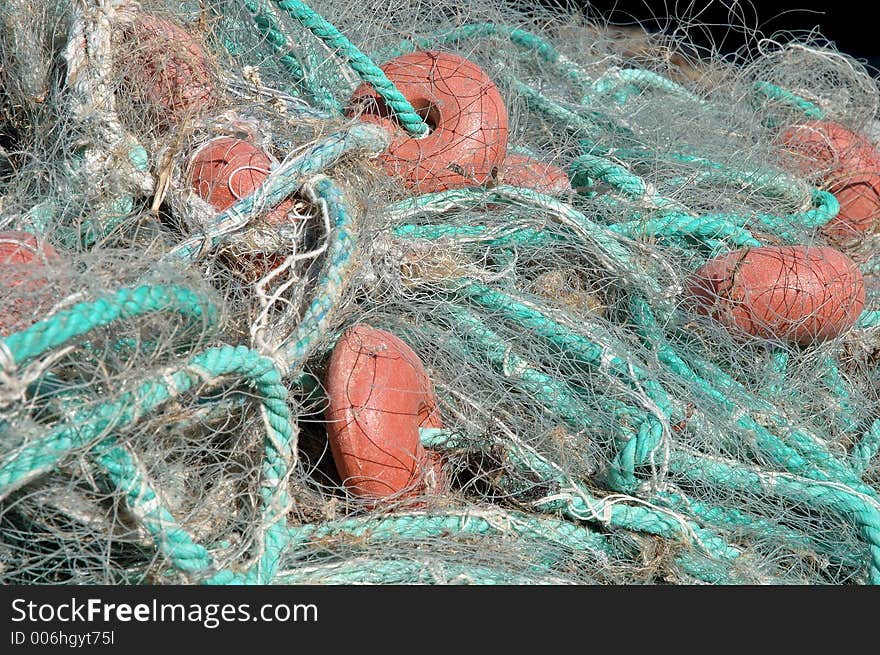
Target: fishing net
point(197, 223)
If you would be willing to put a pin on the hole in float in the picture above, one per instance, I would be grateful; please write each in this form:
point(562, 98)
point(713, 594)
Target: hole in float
point(427, 111)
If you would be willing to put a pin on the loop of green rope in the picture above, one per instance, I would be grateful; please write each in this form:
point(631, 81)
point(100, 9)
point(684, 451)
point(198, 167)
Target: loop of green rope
point(91, 426)
point(615, 175)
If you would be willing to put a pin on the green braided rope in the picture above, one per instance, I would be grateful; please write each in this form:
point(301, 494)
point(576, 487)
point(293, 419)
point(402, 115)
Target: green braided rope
point(845, 415)
point(340, 263)
point(623, 83)
point(705, 228)
point(868, 319)
point(284, 181)
point(482, 342)
point(787, 456)
point(862, 511)
point(578, 503)
point(798, 453)
point(615, 175)
point(787, 98)
point(84, 317)
point(575, 221)
point(171, 539)
point(601, 352)
point(771, 183)
point(866, 449)
point(745, 522)
point(567, 118)
point(823, 207)
point(780, 360)
point(418, 526)
point(90, 424)
point(360, 63)
point(268, 24)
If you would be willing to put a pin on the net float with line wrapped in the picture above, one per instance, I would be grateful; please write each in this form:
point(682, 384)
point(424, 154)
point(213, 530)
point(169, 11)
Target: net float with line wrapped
point(167, 73)
point(799, 294)
point(463, 108)
point(23, 260)
point(524, 171)
point(225, 170)
point(847, 165)
point(379, 397)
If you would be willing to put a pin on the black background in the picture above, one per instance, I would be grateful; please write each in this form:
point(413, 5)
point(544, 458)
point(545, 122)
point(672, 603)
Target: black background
point(854, 27)
point(617, 620)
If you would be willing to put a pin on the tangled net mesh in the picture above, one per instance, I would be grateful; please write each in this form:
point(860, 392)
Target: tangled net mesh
point(164, 352)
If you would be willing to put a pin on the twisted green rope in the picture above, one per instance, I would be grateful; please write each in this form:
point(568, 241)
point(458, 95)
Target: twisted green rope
point(360, 63)
point(339, 266)
point(622, 83)
point(419, 526)
point(84, 317)
point(283, 181)
point(786, 98)
point(91, 425)
point(578, 503)
point(867, 448)
point(707, 229)
point(268, 24)
point(862, 511)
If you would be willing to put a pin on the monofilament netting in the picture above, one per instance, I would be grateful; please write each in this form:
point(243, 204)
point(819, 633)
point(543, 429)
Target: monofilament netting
point(619, 292)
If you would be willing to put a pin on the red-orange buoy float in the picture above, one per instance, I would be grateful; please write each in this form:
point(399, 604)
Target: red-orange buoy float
point(166, 71)
point(23, 259)
point(225, 170)
point(380, 395)
point(799, 294)
point(464, 110)
point(524, 171)
point(847, 165)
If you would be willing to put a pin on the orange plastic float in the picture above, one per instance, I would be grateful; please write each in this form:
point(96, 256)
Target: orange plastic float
point(226, 170)
point(523, 171)
point(380, 395)
point(847, 165)
point(464, 110)
point(795, 293)
point(22, 258)
point(222, 172)
point(167, 72)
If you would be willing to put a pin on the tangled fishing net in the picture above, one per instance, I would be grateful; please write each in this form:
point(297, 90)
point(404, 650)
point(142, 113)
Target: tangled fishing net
point(431, 293)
